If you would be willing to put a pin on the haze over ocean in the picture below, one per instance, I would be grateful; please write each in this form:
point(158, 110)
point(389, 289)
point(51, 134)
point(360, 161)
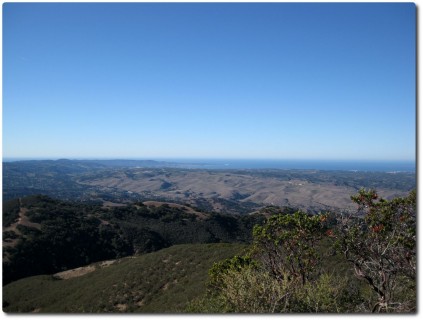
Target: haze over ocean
point(229, 164)
point(383, 166)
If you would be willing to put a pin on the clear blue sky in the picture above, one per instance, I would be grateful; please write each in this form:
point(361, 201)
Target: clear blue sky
point(287, 81)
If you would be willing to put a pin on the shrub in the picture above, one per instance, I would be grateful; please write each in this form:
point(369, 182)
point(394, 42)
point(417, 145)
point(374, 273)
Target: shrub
point(286, 245)
point(380, 243)
point(327, 294)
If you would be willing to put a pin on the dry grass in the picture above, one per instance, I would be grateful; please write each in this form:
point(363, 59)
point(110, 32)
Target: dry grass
point(73, 273)
point(187, 186)
point(187, 209)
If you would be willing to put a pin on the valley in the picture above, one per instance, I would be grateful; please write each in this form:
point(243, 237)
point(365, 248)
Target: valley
point(88, 236)
point(227, 191)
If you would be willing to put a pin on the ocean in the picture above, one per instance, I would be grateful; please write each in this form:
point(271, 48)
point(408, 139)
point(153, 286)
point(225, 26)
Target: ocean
point(349, 165)
point(228, 164)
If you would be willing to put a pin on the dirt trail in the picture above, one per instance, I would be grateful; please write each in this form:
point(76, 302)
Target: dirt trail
point(22, 220)
point(78, 272)
point(73, 273)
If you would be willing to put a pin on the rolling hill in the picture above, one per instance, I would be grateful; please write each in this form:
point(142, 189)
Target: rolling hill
point(52, 235)
point(164, 281)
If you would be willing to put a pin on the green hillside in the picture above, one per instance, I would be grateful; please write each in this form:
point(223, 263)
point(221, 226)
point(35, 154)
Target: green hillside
point(295, 263)
point(52, 235)
point(162, 281)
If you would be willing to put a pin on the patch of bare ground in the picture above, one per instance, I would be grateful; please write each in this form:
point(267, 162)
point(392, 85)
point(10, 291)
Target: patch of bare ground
point(78, 272)
point(22, 220)
point(107, 263)
point(112, 204)
point(165, 286)
point(104, 222)
point(73, 273)
point(121, 306)
point(182, 207)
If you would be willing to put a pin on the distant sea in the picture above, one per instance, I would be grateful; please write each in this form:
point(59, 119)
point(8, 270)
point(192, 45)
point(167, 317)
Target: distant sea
point(381, 166)
point(344, 165)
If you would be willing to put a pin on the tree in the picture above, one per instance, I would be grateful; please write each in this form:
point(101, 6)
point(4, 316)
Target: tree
point(380, 243)
point(283, 271)
point(280, 273)
point(286, 245)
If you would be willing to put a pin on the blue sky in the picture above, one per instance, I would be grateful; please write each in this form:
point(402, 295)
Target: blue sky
point(209, 80)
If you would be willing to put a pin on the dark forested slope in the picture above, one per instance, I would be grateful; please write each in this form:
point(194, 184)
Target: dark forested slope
point(42, 235)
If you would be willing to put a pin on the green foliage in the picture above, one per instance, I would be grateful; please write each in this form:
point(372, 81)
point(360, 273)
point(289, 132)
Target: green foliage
point(291, 266)
point(254, 290)
point(286, 245)
point(381, 247)
point(287, 270)
point(279, 274)
point(329, 293)
point(208, 304)
point(250, 290)
point(159, 282)
point(73, 234)
point(10, 212)
point(221, 269)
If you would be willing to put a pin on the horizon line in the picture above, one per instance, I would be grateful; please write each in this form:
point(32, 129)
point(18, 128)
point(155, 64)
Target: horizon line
point(55, 158)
